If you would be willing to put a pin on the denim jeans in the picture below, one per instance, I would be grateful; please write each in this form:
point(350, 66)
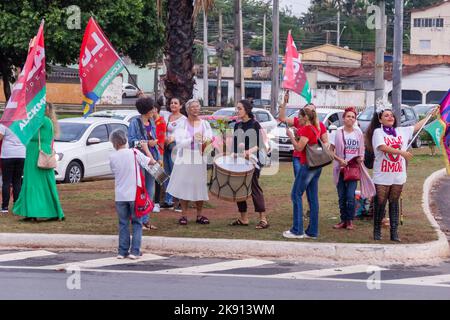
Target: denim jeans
point(296, 165)
point(150, 186)
point(306, 181)
point(346, 192)
point(168, 167)
point(125, 212)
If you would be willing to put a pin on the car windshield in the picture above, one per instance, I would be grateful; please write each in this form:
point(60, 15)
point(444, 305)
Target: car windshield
point(422, 109)
point(71, 132)
point(366, 115)
point(228, 113)
point(295, 114)
point(108, 115)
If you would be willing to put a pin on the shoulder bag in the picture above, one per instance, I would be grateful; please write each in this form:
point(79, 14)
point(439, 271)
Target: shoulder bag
point(352, 172)
point(46, 161)
point(142, 204)
point(318, 155)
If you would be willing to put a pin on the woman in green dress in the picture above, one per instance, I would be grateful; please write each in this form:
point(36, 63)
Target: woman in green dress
point(39, 196)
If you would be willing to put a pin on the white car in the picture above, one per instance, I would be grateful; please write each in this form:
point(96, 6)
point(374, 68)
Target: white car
point(129, 91)
point(83, 147)
point(264, 117)
point(123, 114)
point(331, 118)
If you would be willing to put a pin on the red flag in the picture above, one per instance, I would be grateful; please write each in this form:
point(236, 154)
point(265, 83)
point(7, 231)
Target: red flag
point(25, 109)
point(99, 65)
point(294, 74)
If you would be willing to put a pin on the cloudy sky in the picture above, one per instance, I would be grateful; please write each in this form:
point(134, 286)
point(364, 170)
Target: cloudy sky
point(297, 6)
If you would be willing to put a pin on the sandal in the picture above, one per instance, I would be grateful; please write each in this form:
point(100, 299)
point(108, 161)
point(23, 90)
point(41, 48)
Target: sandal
point(202, 220)
point(262, 225)
point(239, 223)
point(183, 221)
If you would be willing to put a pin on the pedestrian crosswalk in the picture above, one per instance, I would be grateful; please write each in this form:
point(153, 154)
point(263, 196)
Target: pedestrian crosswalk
point(22, 255)
point(106, 262)
point(152, 264)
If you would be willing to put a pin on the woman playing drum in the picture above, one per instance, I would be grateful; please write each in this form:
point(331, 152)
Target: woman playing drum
point(248, 137)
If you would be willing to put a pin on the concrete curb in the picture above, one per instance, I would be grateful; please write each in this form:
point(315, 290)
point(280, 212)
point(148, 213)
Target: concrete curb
point(320, 253)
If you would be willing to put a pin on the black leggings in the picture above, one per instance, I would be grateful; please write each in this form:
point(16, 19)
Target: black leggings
point(257, 196)
point(157, 192)
point(384, 195)
point(12, 171)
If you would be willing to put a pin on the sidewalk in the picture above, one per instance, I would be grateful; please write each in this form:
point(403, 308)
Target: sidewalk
point(321, 253)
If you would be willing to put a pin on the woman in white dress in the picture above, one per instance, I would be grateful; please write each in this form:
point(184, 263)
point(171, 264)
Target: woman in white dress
point(175, 122)
point(188, 181)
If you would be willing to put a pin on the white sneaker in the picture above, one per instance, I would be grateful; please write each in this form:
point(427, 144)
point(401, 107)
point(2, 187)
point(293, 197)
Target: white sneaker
point(289, 235)
point(156, 208)
point(120, 257)
point(133, 257)
point(309, 237)
point(4, 210)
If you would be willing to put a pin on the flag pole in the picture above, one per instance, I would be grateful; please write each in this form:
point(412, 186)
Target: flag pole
point(129, 73)
point(121, 60)
point(418, 132)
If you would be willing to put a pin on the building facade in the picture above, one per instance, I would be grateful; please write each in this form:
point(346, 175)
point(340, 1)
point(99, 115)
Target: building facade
point(430, 30)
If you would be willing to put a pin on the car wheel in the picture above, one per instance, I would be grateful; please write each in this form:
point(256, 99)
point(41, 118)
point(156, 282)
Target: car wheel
point(417, 143)
point(124, 95)
point(74, 173)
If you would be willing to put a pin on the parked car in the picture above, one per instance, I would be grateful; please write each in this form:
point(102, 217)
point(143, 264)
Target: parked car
point(331, 118)
point(83, 147)
point(123, 114)
point(423, 109)
point(129, 91)
point(409, 117)
point(261, 103)
point(290, 110)
point(263, 116)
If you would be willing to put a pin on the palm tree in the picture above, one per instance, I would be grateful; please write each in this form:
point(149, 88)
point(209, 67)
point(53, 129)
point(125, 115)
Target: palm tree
point(179, 80)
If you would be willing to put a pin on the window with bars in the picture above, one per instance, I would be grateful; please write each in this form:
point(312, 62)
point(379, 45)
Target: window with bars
point(429, 23)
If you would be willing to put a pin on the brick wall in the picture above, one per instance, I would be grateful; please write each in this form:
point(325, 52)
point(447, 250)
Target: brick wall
point(69, 93)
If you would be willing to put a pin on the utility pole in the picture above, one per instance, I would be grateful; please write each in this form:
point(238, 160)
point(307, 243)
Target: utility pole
point(380, 50)
point(219, 51)
point(237, 52)
point(241, 25)
point(156, 79)
point(339, 27)
point(398, 59)
point(264, 36)
point(328, 35)
point(205, 59)
point(275, 54)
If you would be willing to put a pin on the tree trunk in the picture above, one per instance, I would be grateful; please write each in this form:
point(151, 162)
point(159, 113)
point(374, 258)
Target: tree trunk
point(179, 80)
point(5, 71)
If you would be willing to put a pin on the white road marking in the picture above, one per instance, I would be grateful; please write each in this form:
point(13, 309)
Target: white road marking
point(442, 279)
point(221, 266)
point(25, 255)
point(104, 262)
point(203, 270)
point(326, 272)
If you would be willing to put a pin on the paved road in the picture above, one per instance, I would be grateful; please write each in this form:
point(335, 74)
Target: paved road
point(41, 274)
point(440, 196)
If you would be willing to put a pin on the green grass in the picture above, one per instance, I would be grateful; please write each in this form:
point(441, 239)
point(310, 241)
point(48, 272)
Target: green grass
point(89, 209)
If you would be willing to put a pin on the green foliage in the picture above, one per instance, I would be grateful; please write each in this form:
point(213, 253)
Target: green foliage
point(252, 17)
point(131, 26)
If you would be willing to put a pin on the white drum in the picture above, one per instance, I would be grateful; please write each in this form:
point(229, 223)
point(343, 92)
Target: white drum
point(231, 178)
